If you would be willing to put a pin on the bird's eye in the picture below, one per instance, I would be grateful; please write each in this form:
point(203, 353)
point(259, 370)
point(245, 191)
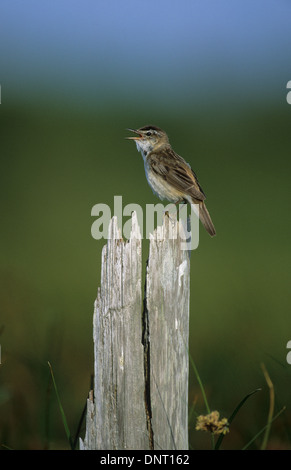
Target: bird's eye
point(148, 133)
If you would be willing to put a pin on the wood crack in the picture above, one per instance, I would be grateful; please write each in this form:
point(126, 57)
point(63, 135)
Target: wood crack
point(147, 369)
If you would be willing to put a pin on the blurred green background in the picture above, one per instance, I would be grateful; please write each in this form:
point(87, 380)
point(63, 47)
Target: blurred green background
point(217, 85)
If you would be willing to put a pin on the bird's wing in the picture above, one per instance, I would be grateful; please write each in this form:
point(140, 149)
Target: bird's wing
point(173, 168)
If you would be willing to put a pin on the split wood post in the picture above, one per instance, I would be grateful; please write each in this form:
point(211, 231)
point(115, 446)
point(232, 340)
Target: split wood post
point(140, 398)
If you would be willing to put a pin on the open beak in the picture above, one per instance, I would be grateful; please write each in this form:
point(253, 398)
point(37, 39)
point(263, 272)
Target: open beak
point(133, 137)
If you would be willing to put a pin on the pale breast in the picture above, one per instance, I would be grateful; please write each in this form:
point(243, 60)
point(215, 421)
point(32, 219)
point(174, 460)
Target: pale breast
point(160, 186)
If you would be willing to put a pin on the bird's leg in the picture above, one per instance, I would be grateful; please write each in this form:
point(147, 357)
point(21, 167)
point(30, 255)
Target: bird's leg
point(182, 200)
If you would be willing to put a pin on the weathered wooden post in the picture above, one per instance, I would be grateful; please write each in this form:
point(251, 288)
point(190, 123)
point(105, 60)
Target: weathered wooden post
point(140, 398)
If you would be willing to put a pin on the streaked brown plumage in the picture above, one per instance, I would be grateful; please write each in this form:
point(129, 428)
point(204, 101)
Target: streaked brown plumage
point(168, 174)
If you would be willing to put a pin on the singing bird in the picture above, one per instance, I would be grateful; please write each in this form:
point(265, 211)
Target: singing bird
point(168, 174)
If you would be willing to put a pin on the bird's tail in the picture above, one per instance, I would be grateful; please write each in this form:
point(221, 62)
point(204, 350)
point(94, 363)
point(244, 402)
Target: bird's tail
point(206, 219)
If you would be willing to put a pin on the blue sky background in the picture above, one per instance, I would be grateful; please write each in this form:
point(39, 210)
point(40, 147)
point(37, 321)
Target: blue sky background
point(97, 50)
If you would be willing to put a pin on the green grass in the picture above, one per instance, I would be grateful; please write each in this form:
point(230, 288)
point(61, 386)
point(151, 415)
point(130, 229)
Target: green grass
point(267, 428)
point(64, 419)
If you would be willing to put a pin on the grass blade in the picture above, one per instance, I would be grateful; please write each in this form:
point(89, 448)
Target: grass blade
point(68, 434)
point(271, 408)
point(263, 429)
point(200, 384)
point(236, 410)
point(202, 391)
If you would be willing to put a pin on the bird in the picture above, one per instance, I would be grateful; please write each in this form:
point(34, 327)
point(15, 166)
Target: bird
point(168, 174)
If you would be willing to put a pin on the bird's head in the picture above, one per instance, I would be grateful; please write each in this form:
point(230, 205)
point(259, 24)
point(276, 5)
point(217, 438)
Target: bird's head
point(149, 138)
